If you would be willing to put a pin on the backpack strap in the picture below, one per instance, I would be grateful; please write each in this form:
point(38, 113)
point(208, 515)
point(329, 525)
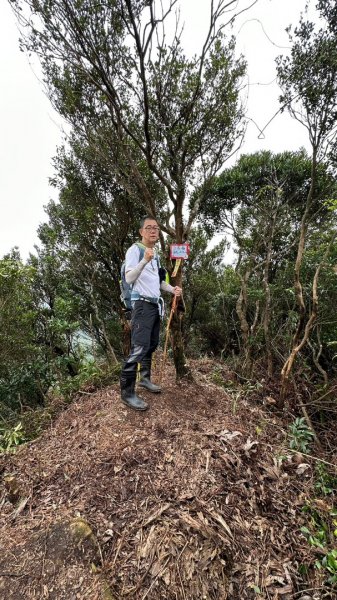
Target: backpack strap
point(141, 248)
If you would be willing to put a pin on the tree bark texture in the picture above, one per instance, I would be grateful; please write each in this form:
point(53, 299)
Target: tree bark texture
point(288, 365)
point(177, 340)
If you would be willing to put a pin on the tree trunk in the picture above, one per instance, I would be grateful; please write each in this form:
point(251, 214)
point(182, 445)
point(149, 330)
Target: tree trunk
point(266, 286)
point(316, 357)
point(300, 252)
point(182, 370)
point(111, 356)
point(241, 311)
point(181, 367)
point(297, 344)
point(288, 365)
point(241, 308)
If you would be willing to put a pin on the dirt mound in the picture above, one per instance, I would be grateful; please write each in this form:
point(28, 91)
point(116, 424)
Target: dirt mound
point(189, 500)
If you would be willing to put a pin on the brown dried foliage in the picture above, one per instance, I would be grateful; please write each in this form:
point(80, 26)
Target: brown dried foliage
point(186, 501)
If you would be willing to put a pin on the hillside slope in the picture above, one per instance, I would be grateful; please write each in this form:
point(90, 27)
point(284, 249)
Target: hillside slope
point(187, 501)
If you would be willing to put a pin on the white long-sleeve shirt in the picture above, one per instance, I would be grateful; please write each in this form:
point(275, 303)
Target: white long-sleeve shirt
point(144, 275)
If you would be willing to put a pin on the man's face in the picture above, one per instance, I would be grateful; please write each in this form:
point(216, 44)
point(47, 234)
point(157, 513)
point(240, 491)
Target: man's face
point(150, 231)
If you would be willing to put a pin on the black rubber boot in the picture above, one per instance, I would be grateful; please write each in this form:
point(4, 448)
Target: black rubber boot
point(145, 377)
point(128, 395)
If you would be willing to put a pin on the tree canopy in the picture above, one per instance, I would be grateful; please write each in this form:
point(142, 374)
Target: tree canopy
point(162, 122)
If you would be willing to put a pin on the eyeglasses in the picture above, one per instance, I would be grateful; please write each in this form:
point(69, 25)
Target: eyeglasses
point(151, 228)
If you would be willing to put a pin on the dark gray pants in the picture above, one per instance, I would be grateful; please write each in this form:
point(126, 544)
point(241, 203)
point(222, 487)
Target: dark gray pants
point(145, 325)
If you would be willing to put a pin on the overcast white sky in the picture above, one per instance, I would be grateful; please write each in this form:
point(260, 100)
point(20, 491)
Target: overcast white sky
point(30, 131)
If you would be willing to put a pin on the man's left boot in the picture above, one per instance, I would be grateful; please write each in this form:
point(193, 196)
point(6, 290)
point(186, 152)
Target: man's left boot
point(145, 377)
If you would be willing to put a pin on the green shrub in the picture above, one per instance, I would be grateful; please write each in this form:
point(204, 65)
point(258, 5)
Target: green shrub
point(300, 436)
point(11, 438)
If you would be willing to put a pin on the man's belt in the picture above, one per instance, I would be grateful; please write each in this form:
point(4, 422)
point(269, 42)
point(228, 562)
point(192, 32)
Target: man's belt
point(152, 300)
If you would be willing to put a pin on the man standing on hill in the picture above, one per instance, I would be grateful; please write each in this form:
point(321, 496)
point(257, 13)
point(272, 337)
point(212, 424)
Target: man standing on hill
point(144, 275)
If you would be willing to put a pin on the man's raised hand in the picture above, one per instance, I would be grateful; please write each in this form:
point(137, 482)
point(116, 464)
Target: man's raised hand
point(149, 254)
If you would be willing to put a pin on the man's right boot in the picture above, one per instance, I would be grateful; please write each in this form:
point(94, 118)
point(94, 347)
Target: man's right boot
point(128, 395)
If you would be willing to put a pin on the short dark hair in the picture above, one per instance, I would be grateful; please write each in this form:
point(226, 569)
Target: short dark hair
point(143, 219)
